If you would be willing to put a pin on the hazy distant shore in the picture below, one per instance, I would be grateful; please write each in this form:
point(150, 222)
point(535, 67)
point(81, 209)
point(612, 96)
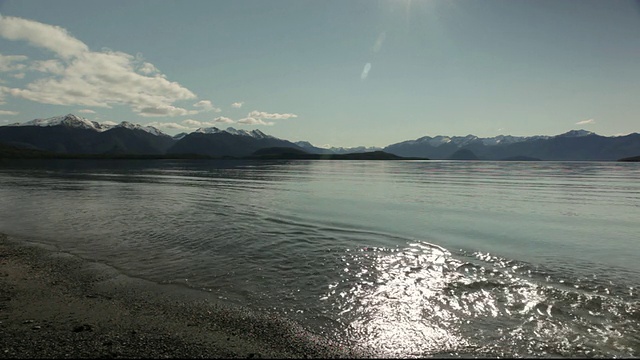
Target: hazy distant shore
point(56, 305)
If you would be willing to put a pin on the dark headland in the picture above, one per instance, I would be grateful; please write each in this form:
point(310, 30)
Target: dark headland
point(295, 154)
point(274, 153)
point(631, 159)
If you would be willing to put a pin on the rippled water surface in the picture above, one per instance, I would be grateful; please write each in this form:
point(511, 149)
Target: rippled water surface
point(409, 258)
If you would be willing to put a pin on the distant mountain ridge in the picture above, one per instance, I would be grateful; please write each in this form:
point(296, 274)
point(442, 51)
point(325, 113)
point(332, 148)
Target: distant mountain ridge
point(74, 121)
point(71, 134)
point(572, 145)
point(227, 143)
point(335, 150)
point(257, 134)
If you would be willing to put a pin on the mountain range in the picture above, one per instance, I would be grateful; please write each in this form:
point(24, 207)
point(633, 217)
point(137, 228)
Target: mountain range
point(572, 145)
point(71, 134)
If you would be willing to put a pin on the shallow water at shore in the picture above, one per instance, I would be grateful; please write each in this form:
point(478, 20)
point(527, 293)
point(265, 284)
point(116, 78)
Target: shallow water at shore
point(405, 257)
point(56, 305)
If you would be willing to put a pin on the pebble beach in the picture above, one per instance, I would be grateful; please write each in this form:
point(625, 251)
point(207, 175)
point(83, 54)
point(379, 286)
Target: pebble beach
point(56, 305)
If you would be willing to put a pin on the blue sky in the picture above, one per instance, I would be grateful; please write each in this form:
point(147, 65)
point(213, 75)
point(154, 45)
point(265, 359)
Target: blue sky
point(341, 73)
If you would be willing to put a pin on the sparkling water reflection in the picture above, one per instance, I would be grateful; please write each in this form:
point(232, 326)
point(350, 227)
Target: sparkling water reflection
point(407, 258)
point(422, 300)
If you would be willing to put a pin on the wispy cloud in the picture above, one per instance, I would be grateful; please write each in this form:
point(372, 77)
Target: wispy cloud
point(41, 35)
point(270, 116)
point(164, 110)
point(223, 120)
point(196, 123)
point(86, 111)
point(237, 105)
point(586, 122)
point(8, 112)
point(51, 66)
point(365, 71)
point(12, 62)
point(206, 105)
point(79, 76)
point(379, 41)
point(253, 121)
point(191, 124)
point(148, 69)
point(170, 125)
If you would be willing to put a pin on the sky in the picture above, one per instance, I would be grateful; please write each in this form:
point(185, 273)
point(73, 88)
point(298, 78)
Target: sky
point(332, 72)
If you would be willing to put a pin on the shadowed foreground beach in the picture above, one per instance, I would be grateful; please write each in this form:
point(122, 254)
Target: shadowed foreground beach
point(56, 305)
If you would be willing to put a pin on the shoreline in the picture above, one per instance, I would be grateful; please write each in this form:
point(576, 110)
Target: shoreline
point(57, 305)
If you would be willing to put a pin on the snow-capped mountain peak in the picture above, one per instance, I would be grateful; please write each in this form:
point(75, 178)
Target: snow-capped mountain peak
point(74, 121)
point(209, 130)
point(438, 140)
point(149, 129)
point(66, 120)
point(180, 136)
point(304, 144)
point(576, 133)
point(502, 139)
point(461, 141)
point(259, 134)
point(253, 133)
point(233, 131)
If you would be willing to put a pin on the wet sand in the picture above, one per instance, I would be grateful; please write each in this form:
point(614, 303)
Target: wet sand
point(55, 305)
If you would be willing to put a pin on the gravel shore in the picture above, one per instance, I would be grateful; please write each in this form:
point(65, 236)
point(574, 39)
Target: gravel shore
point(55, 305)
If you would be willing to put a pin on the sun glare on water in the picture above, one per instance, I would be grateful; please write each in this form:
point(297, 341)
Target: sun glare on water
point(422, 301)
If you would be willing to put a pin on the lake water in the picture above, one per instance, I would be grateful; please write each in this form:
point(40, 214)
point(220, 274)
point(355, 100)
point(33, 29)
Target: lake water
point(409, 258)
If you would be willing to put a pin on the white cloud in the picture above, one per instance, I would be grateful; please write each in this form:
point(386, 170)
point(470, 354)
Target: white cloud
point(206, 105)
point(190, 124)
point(12, 62)
point(90, 78)
point(50, 37)
point(197, 123)
point(86, 111)
point(586, 122)
point(237, 105)
point(164, 110)
point(109, 123)
point(19, 75)
point(148, 69)
point(365, 71)
point(48, 66)
point(169, 125)
point(253, 121)
point(274, 116)
point(8, 112)
point(223, 120)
